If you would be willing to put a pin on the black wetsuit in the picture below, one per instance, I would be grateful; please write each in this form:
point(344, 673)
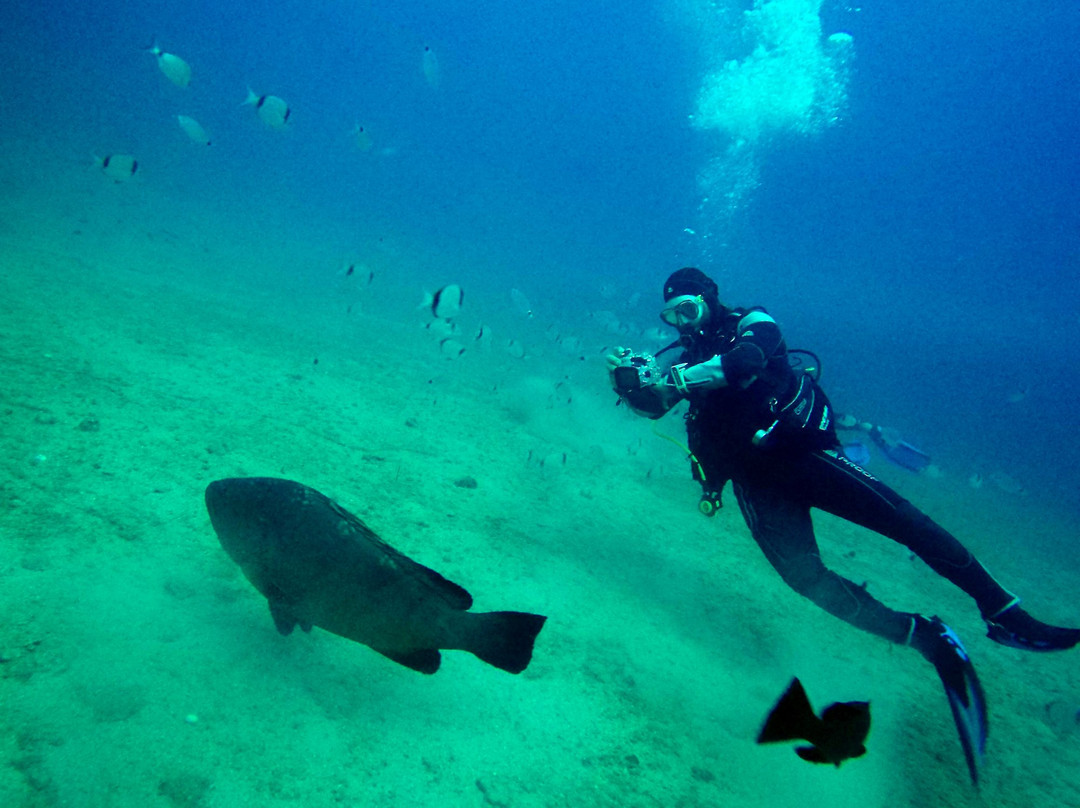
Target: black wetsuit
point(797, 465)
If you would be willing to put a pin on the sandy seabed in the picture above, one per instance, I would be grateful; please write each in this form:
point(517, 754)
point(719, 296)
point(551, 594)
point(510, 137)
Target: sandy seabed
point(138, 667)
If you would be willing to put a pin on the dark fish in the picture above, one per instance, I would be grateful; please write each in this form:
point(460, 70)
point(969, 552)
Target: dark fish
point(318, 565)
point(838, 735)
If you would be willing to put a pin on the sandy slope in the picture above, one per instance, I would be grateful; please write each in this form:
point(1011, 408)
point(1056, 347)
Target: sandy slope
point(140, 669)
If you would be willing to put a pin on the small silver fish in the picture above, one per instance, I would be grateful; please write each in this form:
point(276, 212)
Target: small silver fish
point(446, 302)
point(451, 348)
point(1017, 396)
point(362, 138)
point(175, 69)
point(521, 303)
point(429, 66)
point(118, 167)
point(442, 329)
point(272, 111)
point(193, 129)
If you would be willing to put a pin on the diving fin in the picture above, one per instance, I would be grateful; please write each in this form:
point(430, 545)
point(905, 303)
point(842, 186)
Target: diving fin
point(1014, 627)
point(943, 649)
point(899, 451)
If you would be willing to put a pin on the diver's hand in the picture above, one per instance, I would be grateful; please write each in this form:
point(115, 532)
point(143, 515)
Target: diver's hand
point(619, 357)
point(631, 371)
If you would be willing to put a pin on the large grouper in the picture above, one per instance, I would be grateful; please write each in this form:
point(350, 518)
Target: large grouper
point(319, 565)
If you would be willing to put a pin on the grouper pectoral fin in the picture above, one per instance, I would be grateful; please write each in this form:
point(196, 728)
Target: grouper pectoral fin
point(284, 620)
point(424, 660)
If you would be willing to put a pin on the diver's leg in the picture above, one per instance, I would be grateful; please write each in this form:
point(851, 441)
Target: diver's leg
point(838, 486)
point(783, 529)
point(781, 524)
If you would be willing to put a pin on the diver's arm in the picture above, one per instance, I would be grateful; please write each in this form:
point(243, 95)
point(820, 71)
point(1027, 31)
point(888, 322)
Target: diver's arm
point(757, 338)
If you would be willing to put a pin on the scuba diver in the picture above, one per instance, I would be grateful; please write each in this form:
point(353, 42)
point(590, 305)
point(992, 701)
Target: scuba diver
point(764, 424)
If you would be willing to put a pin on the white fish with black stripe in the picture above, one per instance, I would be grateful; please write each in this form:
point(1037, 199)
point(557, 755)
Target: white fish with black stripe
point(118, 167)
point(446, 302)
point(175, 69)
point(272, 110)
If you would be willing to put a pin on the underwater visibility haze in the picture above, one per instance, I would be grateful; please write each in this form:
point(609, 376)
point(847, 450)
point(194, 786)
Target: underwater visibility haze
point(381, 249)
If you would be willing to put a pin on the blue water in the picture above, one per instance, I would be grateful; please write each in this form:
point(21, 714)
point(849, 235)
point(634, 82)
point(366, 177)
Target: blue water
point(896, 184)
point(921, 233)
point(925, 243)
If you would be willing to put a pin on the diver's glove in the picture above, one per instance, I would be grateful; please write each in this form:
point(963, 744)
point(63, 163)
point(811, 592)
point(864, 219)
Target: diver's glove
point(631, 371)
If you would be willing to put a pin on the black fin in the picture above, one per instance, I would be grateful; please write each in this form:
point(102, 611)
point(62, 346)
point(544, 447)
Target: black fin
point(791, 719)
point(504, 639)
point(284, 620)
point(968, 704)
point(812, 753)
point(942, 647)
point(456, 597)
point(424, 660)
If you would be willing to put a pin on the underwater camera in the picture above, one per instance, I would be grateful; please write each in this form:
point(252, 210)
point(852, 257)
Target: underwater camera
point(641, 372)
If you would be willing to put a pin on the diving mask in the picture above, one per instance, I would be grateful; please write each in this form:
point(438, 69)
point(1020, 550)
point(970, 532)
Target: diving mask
point(685, 312)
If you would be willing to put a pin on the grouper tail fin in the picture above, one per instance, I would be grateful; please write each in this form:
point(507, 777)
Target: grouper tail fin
point(503, 639)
